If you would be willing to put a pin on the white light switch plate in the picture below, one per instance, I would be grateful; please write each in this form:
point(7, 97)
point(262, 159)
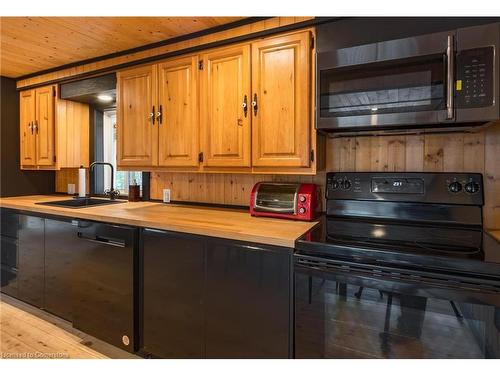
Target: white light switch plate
point(166, 195)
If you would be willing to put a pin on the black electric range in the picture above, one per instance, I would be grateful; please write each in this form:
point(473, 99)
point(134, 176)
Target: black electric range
point(398, 267)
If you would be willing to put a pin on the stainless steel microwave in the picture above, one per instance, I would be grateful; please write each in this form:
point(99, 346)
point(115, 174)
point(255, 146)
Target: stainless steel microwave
point(445, 79)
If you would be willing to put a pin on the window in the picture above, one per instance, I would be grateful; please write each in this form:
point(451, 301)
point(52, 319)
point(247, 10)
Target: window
point(105, 150)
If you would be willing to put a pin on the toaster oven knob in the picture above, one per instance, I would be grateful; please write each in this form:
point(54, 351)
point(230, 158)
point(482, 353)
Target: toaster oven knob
point(302, 210)
point(302, 199)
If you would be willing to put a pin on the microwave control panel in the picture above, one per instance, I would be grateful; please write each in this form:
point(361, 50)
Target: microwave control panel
point(474, 78)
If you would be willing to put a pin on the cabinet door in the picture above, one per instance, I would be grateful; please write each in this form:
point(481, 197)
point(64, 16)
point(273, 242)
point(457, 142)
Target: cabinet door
point(31, 259)
point(61, 245)
point(27, 131)
point(9, 225)
point(178, 135)
point(247, 301)
point(226, 125)
point(45, 126)
point(137, 131)
point(281, 129)
point(173, 295)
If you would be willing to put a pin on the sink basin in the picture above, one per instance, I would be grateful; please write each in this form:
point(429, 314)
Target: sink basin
point(81, 202)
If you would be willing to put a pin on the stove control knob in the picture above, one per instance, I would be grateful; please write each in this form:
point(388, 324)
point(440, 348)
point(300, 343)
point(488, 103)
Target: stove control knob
point(333, 185)
point(302, 210)
point(346, 184)
point(455, 187)
point(302, 198)
point(472, 187)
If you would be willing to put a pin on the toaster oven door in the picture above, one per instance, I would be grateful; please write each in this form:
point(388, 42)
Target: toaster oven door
point(277, 198)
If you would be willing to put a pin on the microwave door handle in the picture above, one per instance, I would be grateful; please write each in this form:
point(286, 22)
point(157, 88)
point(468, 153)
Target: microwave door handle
point(450, 78)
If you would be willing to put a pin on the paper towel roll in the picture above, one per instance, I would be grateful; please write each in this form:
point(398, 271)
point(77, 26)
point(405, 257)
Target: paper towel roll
point(81, 182)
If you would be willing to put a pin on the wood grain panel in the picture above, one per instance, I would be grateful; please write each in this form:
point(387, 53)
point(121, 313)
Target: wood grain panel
point(454, 152)
point(26, 122)
point(492, 176)
point(45, 126)
point(218, 36)
point(280, 83)
point(31, 44)
point(226, 128)
point(72, 134)
point(178, 136)
point(136, 129)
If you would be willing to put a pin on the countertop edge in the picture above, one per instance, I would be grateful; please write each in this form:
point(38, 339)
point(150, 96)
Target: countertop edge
point(82, 215)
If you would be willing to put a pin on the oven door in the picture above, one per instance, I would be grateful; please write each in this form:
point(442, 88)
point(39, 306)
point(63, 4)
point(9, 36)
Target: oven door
point(347, 310)
point(382, 85)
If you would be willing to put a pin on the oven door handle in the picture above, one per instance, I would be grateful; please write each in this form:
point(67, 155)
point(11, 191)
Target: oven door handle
point(380, 274)
point(450, 78)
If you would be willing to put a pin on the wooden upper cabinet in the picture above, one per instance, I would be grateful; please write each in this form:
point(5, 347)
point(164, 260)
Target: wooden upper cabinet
point(27, 131)
point(45, 126)
point(72, 134)
point(281, 128)
point(178, 135)
point(226, 136)
point(137, 129)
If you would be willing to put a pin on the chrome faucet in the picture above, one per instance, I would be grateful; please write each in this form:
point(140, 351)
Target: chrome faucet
point(111, 192)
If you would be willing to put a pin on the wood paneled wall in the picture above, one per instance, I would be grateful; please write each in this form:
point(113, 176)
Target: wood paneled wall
point(267, 24)
point(453, 152)
point(229, 189)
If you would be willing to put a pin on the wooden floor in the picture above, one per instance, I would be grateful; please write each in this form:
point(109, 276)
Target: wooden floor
point(27, 332)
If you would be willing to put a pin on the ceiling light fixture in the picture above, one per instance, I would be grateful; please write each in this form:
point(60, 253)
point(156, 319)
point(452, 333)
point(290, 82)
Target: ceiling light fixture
point(104, 98)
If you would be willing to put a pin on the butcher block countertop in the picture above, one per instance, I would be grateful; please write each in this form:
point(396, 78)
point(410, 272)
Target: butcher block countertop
point(215, 222)
point(495, 233)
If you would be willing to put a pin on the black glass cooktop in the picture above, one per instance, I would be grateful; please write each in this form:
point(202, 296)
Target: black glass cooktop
point(442, 247)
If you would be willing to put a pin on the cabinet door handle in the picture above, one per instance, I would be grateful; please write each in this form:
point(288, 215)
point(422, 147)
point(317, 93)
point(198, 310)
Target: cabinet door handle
point(30, 126)
point(159, 115)
point(254, 104)
point(245, 105)
point(152, 115)
point(36, 126)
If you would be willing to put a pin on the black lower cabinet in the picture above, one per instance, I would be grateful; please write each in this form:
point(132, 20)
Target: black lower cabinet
point(173, 316)
point(22, 256)
point(30, 260)
point(214, 298)
point(9, 225)
point(104, 283)
point(247, 300)
point(61, 243)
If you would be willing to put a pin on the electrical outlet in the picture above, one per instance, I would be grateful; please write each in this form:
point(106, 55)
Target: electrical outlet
point(166, 195)
point(71, 189)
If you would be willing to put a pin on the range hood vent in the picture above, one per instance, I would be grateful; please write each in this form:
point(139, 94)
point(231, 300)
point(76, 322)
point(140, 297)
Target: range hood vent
point(91, 91)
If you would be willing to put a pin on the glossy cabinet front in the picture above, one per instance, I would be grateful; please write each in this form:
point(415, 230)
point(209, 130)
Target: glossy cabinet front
point(22, 256)
point(31, 259)
point(61, 246)
point(213, 298)
point(9, 225)
point(247, 300)
point(173, 295)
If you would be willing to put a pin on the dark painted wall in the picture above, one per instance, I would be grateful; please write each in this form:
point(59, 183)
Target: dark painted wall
point(13, 181)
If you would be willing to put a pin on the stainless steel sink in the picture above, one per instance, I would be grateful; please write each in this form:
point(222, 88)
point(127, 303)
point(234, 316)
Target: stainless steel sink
point(81, 202)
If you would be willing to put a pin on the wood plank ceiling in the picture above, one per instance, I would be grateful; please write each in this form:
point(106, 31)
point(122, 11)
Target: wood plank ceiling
point(33, 44)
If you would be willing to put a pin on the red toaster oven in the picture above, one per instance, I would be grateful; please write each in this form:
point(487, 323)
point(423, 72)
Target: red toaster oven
point(285, 200)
